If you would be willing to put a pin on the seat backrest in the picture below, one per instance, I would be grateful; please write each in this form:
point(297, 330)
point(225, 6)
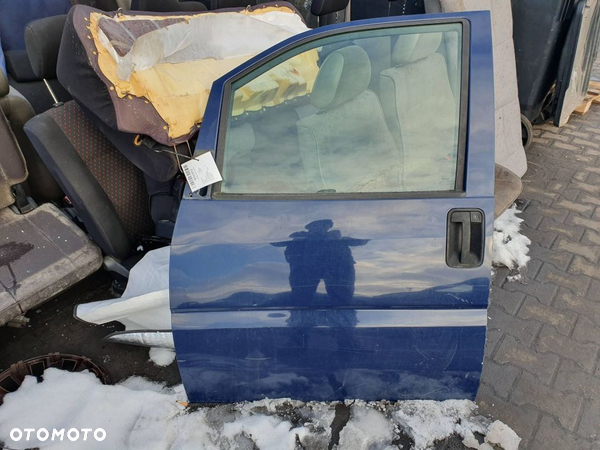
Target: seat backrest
point(220, 4)
point(104, 5)
point(12, 164)
point(17, 14)
point(41, 185)
point(416, 89)
point(36, 61)
point(108, 192)
point(349, 131)
point(166, 5)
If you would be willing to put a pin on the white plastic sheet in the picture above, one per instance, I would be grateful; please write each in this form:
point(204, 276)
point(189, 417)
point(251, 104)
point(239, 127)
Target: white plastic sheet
point(145, 302)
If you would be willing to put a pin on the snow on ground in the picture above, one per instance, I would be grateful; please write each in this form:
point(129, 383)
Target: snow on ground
point(139, 414)
point(161, 357)
point(511, 248)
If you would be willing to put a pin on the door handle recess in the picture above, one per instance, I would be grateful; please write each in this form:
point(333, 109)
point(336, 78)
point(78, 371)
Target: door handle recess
point(465, 238)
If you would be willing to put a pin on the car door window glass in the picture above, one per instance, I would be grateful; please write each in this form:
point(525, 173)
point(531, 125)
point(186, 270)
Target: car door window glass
point(366, 112)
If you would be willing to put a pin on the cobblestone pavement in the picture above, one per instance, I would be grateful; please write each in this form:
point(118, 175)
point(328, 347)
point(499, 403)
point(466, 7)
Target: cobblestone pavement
point(542, 373)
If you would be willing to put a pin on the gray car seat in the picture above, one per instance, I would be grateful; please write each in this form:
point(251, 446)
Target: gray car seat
point(167, 5)
point(346, 146)
point(42, 252)
point(421, 110)
point(27, 77)
point(40, 185)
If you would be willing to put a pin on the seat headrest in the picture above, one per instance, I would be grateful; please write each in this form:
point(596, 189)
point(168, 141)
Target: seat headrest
point(344, 75)
point(413, 47)
point(323, 7)
point(42, 40)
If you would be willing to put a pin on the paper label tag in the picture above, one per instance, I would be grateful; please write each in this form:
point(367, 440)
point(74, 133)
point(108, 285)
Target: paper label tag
point(201, 171)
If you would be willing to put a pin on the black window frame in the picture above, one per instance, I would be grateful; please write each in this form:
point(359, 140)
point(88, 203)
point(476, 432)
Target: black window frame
point(461, 162)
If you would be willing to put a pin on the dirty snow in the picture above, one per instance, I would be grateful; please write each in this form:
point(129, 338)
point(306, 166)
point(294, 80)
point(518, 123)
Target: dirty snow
point(511, 248)
point(140, 414)
point(162, 357)
point(500, 434)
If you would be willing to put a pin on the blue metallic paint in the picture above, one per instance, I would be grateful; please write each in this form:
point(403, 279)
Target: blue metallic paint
point(242, 333)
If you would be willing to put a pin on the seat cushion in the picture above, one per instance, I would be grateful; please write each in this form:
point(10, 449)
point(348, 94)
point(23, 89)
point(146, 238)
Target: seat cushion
point(123, 182)
point(42, 253)
point(108, 192)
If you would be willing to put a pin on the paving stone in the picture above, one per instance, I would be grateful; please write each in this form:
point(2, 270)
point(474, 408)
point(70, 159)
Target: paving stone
point(594, 291)
point(589, 426)
point(500, 377)
point(568, 301)
point(522, 419)
point(549, 274)
point(550, 435)
point(573, 206)
point(540, 194)
point(559, 259)
point(582, 221)
point(565, 407)
point(568, 147)
point(532, 269)
point(592, 253)
point(584, 142)
point(556, 186)
point(590, 238)
point(570, 378)
point(541, 141)
point(590, 188)
point(492, 340)
point(581, 175)
point(531, 217)
point(543, 366)
point(573, 232)
point(586, 330)
point(592, 169)
point(571, 193)
point(508, 301)
point(542, 238)
point(583, 267)
point(585, 354)
point(554, 136)
point(545, 292)
point(525, 331)
point(564, 174)
point(564, 321)
point(537, 210)
point(587, 129)
point(578, 134)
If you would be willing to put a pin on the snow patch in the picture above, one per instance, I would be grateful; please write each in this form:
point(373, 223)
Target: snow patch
point(367, 428)
point(162, 357)
point(503, 436)
point(427, 421)
point(140, 414)
point(511, 248)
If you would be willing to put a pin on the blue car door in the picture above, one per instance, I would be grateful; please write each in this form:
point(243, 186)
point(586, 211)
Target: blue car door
point(347, 251)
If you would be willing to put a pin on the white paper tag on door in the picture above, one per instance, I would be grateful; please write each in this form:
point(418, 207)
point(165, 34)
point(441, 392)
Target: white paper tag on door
point(201, 171)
